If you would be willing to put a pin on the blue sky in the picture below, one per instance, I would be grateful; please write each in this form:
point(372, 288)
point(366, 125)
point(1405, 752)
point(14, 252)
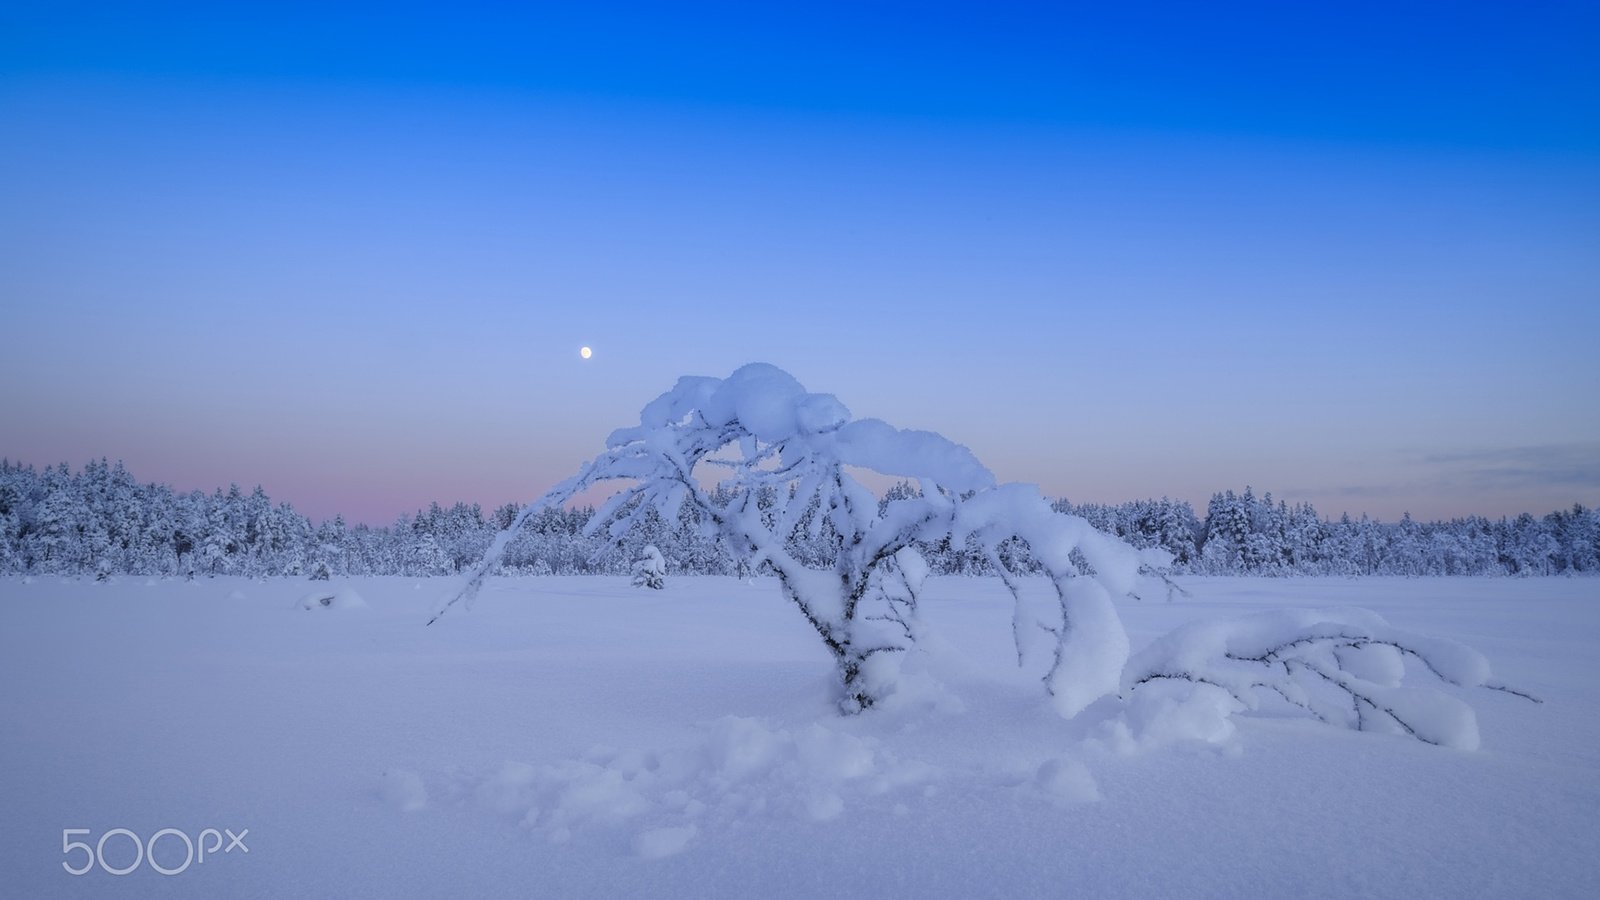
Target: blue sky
point(1348, 254)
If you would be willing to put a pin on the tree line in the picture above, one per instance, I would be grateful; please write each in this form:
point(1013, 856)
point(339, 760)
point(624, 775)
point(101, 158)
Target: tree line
point(102, 521)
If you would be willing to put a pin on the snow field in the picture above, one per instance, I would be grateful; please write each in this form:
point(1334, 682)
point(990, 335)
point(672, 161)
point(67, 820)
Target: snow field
point(580, 737)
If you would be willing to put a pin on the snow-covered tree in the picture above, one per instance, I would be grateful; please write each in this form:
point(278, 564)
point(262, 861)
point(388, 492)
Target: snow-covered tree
point(650, 570)
point(10, 531)
point(1227, 533)
point(785, 452)
point(1577, 536)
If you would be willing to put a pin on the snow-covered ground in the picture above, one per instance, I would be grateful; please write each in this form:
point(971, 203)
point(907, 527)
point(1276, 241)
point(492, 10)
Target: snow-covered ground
point(571, 737)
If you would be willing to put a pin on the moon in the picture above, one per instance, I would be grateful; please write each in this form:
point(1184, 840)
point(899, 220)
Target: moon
point(585, 352)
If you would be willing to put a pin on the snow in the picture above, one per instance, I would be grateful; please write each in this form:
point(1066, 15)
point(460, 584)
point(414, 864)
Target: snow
point(1066, 780)
point(1092, 647)
point(1443, 720)
point(404, 790)
point(876, 445)
point(1340, 665)
point(772, 407)
point(335, 597)
point(578, 737)
point(1094, 651)
point(1168, 712)
point(763, 398)
point(659, 842)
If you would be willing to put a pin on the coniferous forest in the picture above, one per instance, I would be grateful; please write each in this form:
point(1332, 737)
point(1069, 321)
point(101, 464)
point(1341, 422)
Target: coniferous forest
point(103, 522)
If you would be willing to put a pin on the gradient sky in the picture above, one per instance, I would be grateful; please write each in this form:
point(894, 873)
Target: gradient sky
point(1347, 253)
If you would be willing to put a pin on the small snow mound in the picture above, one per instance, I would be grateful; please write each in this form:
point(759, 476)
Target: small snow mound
point(404, 790)
point(342, 597)
point(1170, 711)
point(658, 843)
point(1066, 780)
point(832, 755)
point(236, 595)
point(598, 794)
point(740, 747)
point(823, 806)
point(508, 790)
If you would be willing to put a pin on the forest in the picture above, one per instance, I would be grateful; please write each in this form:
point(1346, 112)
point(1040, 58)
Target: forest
point(101, 521)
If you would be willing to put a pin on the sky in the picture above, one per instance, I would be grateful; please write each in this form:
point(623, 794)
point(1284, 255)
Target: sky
point(1345, 253)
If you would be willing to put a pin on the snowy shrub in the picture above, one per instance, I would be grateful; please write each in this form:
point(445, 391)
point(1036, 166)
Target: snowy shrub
point(340, 598)
point(786, 457)
point(1343, 666)
point(650, 570)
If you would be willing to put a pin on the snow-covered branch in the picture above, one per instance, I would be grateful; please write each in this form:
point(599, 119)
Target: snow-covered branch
point(1343, 666)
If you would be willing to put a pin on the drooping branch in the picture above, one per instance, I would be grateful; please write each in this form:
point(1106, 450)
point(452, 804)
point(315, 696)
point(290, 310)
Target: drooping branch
point(556, 496)
point(1311, 658)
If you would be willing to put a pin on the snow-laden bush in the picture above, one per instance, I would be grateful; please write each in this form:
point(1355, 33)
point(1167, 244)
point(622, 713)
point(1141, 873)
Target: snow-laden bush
point(1343, 666)
point(771, 438)
point(339, 598)
point(651, 569)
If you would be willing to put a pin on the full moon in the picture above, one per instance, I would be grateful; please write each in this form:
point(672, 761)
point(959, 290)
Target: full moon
point(585, 353)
